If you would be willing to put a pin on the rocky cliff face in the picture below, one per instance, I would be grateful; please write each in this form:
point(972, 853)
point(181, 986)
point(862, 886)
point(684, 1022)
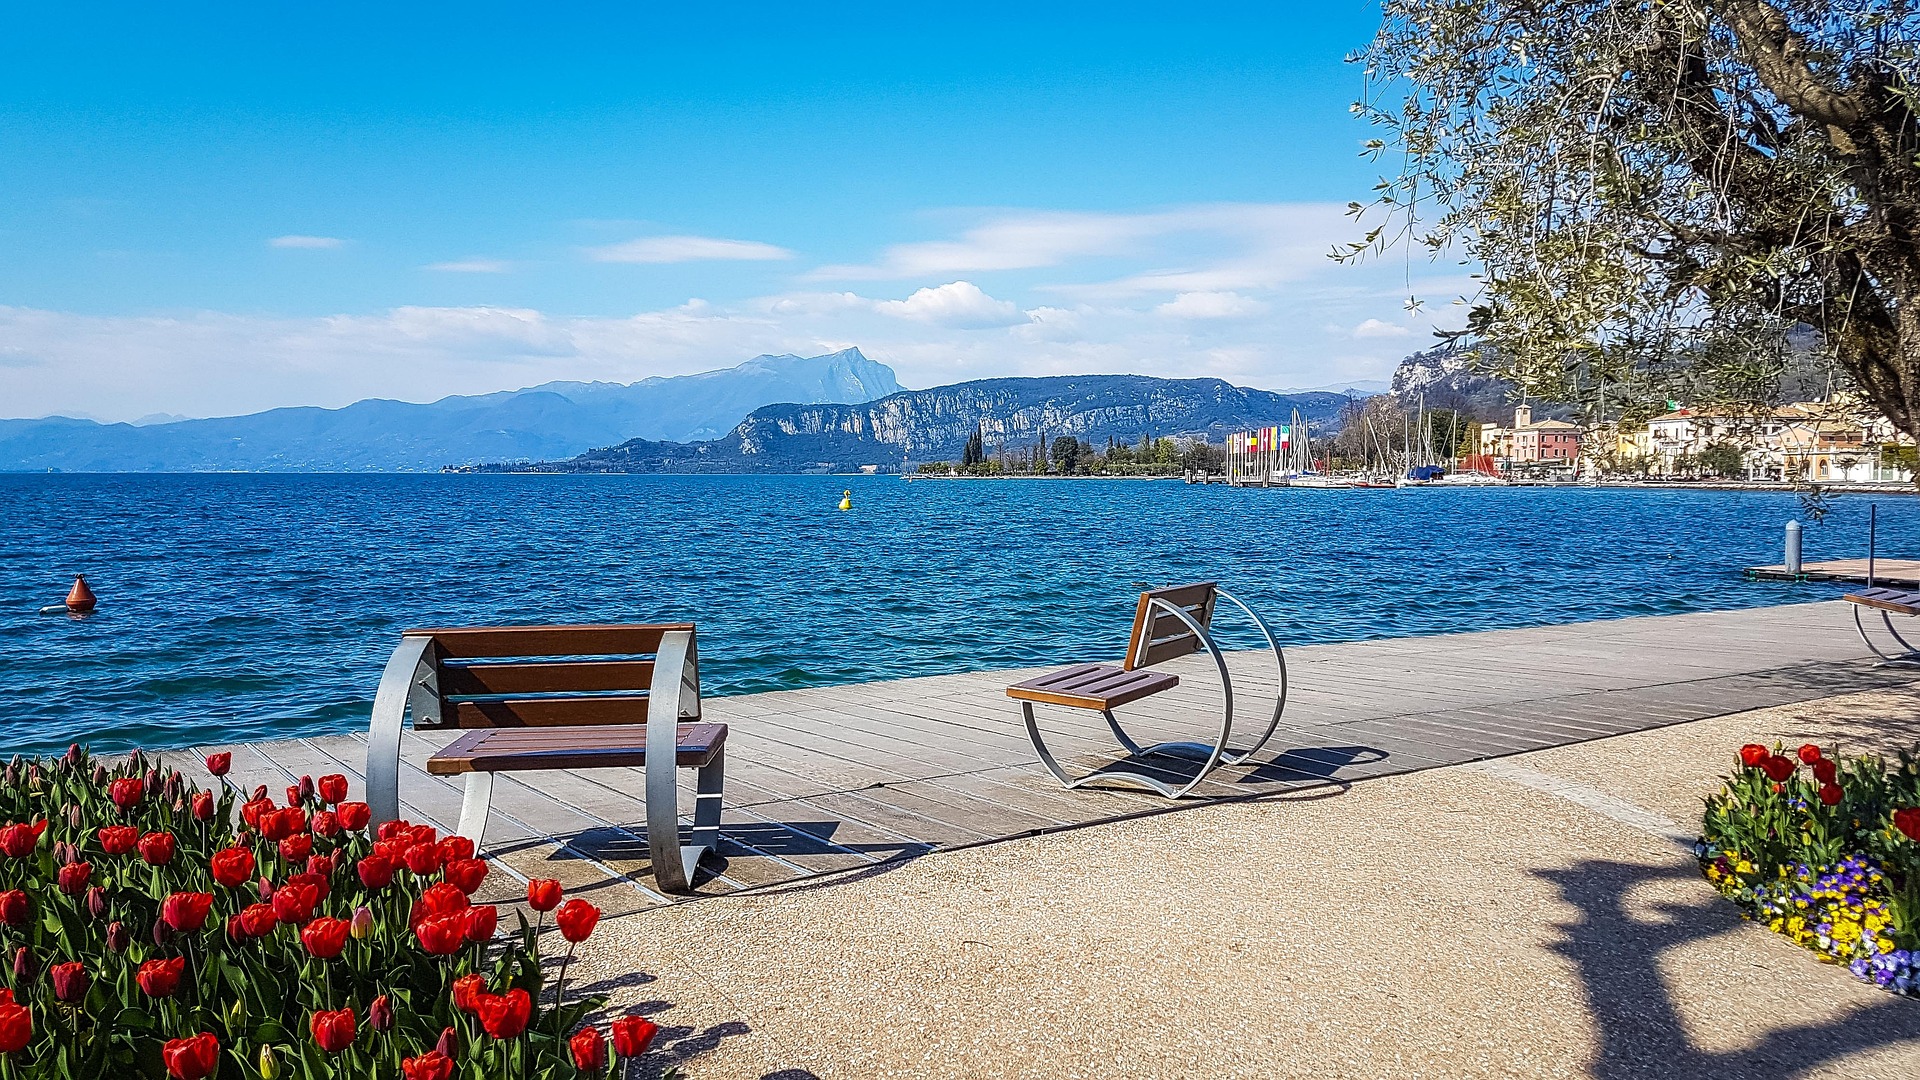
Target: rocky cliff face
point(934, 425)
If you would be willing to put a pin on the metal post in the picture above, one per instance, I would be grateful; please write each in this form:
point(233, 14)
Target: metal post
point(1793, 550)
point(1873, 522)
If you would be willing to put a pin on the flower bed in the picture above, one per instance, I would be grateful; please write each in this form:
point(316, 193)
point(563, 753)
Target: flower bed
point(1825, 850)
point(152, 929)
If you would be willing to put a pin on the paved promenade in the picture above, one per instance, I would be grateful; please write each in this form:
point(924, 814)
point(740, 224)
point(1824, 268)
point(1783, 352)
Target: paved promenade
point(844, 778)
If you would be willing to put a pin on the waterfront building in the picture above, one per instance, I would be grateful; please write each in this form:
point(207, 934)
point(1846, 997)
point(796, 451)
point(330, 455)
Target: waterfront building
point(1530, 443)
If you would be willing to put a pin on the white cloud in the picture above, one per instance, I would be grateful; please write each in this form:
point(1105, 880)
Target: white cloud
point(957, 304)
point(679, 249)
point(1015, 242)
point(470, 266)
point(305, 242)
point(1374, 328)
point(1211, 305)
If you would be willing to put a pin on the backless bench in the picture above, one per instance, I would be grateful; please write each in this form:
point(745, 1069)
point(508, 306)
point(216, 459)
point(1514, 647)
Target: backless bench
point(556, 697)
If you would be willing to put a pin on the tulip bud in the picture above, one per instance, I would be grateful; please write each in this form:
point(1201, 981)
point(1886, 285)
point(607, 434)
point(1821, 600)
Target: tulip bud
point(361, 925)
point(237, 1013)
point(74, 818)
point(13, 773)
point(99, 776)
point(266, 891)
point(65, 854)
point(72, 758)
point(269, 1063)
point(23, 966)
point(380, 1014)
point(259, 793)
point(97, 902)
point(162, 933)
point(306, 789)
point(70, 981)
point(449, 1044)
point(135, 761)
point(33, 775)
point(118, 937)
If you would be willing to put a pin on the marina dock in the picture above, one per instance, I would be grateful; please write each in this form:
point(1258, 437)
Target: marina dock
point(1887, 573)
point(850, 778)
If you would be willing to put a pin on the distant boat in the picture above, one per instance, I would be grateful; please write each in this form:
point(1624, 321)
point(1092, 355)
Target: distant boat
point(1316, 480)
point(1472, 479)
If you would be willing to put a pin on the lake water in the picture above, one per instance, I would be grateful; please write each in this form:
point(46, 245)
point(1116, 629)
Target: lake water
point(251, 606)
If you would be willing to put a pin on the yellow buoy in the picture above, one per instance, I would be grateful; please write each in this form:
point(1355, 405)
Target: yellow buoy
point(846, 500)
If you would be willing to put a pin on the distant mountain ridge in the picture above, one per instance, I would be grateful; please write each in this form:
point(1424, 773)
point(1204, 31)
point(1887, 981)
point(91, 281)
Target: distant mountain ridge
point(551, 420)
point(933, 425)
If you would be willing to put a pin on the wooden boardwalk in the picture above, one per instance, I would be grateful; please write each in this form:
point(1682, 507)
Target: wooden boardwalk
point(1887, 573)
point(844, 778)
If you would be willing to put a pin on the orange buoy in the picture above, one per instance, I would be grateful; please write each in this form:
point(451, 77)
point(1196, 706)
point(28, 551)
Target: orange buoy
point(80, 599)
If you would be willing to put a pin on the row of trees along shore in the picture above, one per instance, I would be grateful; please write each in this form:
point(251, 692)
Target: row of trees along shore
point(1068, 456)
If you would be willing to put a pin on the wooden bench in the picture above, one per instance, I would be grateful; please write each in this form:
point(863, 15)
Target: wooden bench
point(1888, 603)
point(1167, 624)
point(556, 697)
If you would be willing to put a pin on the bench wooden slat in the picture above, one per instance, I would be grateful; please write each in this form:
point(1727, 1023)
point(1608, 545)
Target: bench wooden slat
point(1894, 600)
point(549, 677)
point(548, 712)
point(463, 643)
point(624, 746)
point(1158, 636)
point(1092, 686)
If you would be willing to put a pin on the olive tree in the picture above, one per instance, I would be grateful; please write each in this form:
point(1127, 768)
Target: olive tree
point(1661, 198)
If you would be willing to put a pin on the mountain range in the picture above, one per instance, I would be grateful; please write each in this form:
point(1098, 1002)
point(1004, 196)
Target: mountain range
point(935, 424)
point(551, 420)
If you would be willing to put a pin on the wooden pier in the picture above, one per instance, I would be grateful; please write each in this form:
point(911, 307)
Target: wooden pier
point(847, 778)
point(1887, 573)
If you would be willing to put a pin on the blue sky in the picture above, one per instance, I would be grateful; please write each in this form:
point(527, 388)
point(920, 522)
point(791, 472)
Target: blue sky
point(216, 208)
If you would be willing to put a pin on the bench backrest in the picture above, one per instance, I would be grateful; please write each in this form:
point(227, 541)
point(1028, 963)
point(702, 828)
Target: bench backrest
point(545, 676)
point(1158, 635)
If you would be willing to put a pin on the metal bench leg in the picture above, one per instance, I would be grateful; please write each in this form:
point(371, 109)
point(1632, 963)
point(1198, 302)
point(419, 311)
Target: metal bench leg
point(397, 684)
point(1910, 658)
point(1235, 757)
point(675, 696)
point(473, 808)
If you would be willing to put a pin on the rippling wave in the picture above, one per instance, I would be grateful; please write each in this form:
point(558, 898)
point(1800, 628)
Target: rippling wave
point(263, 606)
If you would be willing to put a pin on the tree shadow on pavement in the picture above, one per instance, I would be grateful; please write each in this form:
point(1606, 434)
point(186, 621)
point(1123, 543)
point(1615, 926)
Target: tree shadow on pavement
point(1641, 1030)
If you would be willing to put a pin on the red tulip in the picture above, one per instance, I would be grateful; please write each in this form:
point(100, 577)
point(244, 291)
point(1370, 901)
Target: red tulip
point(1908, 822)
point(277, 825)
point(1826, 771)
point(442, 935)
point(333, 789)
point(505, 1016)
point(160, 978)
point(481, 922)
point(325, 823)
point(467, 874)
point(589, 1050)
point(16, 1025)
point(1778, 767)
point(187, 911)
point(390, 829)
point(73, 878)
point(577, 919)
point(543, 894)
point(157, 848)
point(1831, 794)
point(14, 908)
point(325, 937)
point(333, 1031)
point(253, 810)
point(376, 872)
point(632, 1035)
point(70, 980)
point(1753, 755)
point(293, 903)
point(202, 806)
point(192, 1059)
point(320, 867)
point(432, 1065)
point(296, 848)
point(425, 834)
point(466, 993)
point(257, 920)
point(423, 859)
point(218, 764)
point(380, 1013)
point(19, 840)
point(439, 899)
point(118, 937)
point(117, 839)
point(1809, 753)
point(354, 815)
point(232, 867)
point(127, 793)
point(455, 848)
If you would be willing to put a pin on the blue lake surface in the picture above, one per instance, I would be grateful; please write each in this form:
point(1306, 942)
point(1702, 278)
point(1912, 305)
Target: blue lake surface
point(264, 606)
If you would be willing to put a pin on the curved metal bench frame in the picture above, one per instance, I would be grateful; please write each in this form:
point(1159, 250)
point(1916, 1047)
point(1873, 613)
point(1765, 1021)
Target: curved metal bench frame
point(1910, 658)
point(409, 684)
point(1211, 755)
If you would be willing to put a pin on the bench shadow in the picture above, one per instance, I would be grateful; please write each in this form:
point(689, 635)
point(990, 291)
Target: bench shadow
point(1641, 1030)
point(676, 1045)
